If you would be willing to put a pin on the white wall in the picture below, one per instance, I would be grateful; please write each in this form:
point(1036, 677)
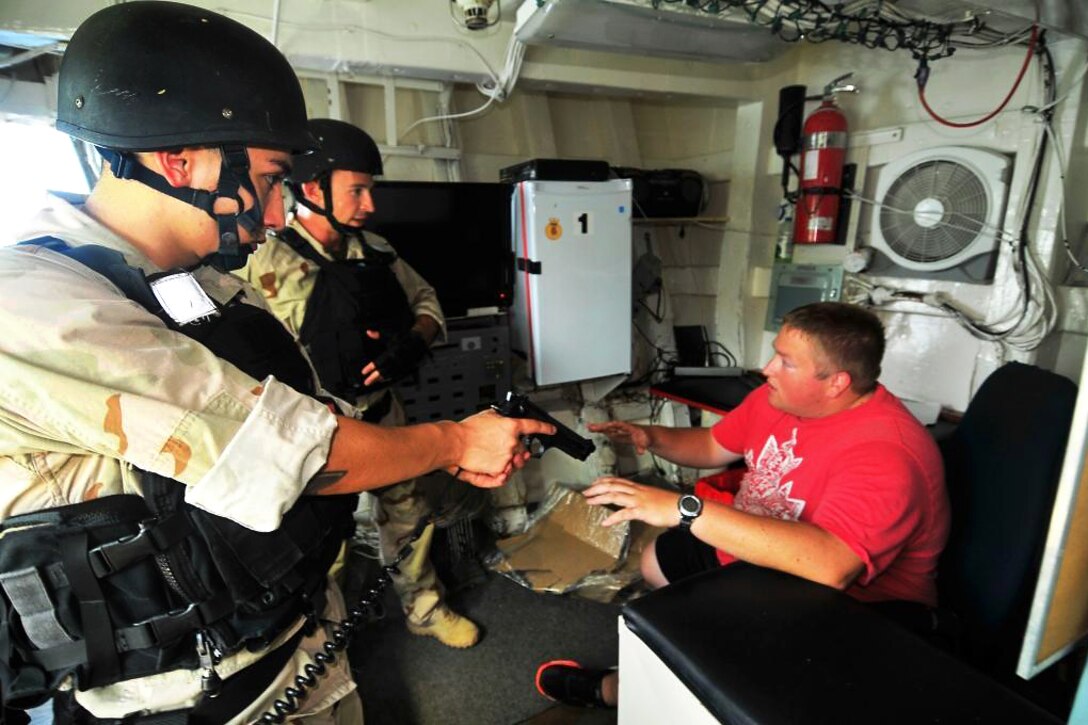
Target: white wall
point(386, 63)
point(931, 357)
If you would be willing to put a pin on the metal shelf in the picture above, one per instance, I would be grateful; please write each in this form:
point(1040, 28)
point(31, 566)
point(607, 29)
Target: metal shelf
point(678, 221)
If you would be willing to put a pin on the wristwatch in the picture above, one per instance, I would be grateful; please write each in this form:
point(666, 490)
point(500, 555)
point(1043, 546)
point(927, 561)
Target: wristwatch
point(690, 507)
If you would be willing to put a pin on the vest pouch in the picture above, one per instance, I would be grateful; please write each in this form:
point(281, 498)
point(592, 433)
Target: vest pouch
point(264, 569)
point(269, 577)
point(350, 297)
point(275, 576)
point(383, 305)
point(256, 343)
point(329, 349)
point(65, 613)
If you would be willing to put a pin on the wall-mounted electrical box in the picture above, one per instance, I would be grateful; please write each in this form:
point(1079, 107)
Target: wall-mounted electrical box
point(794, 285)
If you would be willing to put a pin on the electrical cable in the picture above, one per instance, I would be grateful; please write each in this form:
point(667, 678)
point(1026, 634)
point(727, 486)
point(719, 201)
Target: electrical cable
point(342, 632)
point(1059, 157)
point(1033, 314)
point(874, 24)
point(922, 77)
point(460, 505)
point(1073, 84)
point(1046, 117)
point(501, 84)
point(662, 357)
point(499, 90)
point(871, 23)
point(724, 352)
point(507, 79)
point(446, 116)
point(350, 27)
point(656, 313)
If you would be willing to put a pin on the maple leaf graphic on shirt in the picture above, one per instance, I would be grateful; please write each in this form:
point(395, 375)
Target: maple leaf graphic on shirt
point(764, 490)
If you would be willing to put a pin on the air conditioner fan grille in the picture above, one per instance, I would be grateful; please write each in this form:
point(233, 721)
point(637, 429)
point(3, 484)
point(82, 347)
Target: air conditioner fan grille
point(933, 211)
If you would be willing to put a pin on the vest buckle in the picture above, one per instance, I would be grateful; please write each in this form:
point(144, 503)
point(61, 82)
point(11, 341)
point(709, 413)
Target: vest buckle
point(116, 555)
point(210, 681)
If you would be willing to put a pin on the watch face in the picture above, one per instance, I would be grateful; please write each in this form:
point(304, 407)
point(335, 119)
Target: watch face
point(690, 505)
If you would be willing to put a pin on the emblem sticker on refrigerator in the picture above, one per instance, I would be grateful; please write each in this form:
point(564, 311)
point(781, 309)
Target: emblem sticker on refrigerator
point(553, 230)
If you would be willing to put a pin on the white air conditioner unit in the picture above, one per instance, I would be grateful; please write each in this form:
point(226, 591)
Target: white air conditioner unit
point(637, 28)
point(940, 208)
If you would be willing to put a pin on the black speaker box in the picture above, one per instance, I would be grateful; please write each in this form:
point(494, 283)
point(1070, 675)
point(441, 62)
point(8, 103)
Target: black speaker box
point(555, 170)
point(791, 112)
point(665, 192)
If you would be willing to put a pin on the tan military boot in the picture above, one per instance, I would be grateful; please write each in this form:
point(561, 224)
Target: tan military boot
point(449, 628)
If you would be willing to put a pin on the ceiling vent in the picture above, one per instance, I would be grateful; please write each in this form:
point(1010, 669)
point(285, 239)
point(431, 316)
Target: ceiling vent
point(624, 27)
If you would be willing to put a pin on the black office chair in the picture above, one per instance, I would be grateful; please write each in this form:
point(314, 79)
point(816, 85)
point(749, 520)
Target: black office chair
point(1002, 466)
point(759, 646)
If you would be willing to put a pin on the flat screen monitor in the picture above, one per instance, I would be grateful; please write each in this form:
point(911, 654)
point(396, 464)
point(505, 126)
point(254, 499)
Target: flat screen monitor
point(457, 235)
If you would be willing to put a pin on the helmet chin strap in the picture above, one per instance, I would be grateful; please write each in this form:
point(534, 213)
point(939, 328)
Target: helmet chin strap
point(326, 211)
point(233, 174)
point(370, 254)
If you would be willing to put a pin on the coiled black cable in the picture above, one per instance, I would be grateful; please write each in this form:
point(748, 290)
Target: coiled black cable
point(342, 632)
point(816, 22)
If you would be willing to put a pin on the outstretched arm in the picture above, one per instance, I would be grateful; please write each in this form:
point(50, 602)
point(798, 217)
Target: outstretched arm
point(483, 450)
point(694, 447)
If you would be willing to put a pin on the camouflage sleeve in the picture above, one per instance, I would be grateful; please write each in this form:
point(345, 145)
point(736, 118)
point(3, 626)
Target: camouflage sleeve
point(421, 295)
point(86, 368)
point(284, 278)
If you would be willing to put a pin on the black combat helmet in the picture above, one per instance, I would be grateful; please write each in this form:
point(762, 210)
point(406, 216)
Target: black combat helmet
point(146, 75)
point(150, 75)
point(339, 146)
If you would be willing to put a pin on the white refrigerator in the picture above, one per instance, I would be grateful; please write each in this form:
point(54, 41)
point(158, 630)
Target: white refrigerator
point(572, 290)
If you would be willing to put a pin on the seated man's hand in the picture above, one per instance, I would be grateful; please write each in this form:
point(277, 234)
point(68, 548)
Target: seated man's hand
point(629, 433)
point(492, 447)
point(655, 506)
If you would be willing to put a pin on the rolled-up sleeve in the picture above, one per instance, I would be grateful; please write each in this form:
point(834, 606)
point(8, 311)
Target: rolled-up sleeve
point(94, 385)
point(279, 447)
point(421, 295)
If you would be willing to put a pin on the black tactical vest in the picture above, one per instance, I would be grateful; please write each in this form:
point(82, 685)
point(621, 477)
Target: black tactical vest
point(349, 298)
point(121, 587)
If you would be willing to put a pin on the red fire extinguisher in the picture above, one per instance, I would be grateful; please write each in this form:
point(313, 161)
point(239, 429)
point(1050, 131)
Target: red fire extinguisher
point(822, 160)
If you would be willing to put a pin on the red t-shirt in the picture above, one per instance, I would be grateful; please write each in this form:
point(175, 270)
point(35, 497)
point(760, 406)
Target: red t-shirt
point(870, 475)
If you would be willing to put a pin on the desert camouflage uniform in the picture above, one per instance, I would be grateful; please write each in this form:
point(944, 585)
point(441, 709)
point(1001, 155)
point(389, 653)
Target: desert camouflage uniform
point(287, 280)
point(94, 387)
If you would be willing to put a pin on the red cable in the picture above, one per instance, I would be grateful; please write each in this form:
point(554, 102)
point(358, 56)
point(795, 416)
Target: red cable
point(528, 295)
point(969, 124)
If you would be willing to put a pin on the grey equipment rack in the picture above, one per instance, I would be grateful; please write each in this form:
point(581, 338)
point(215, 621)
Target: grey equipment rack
point(465, 374)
